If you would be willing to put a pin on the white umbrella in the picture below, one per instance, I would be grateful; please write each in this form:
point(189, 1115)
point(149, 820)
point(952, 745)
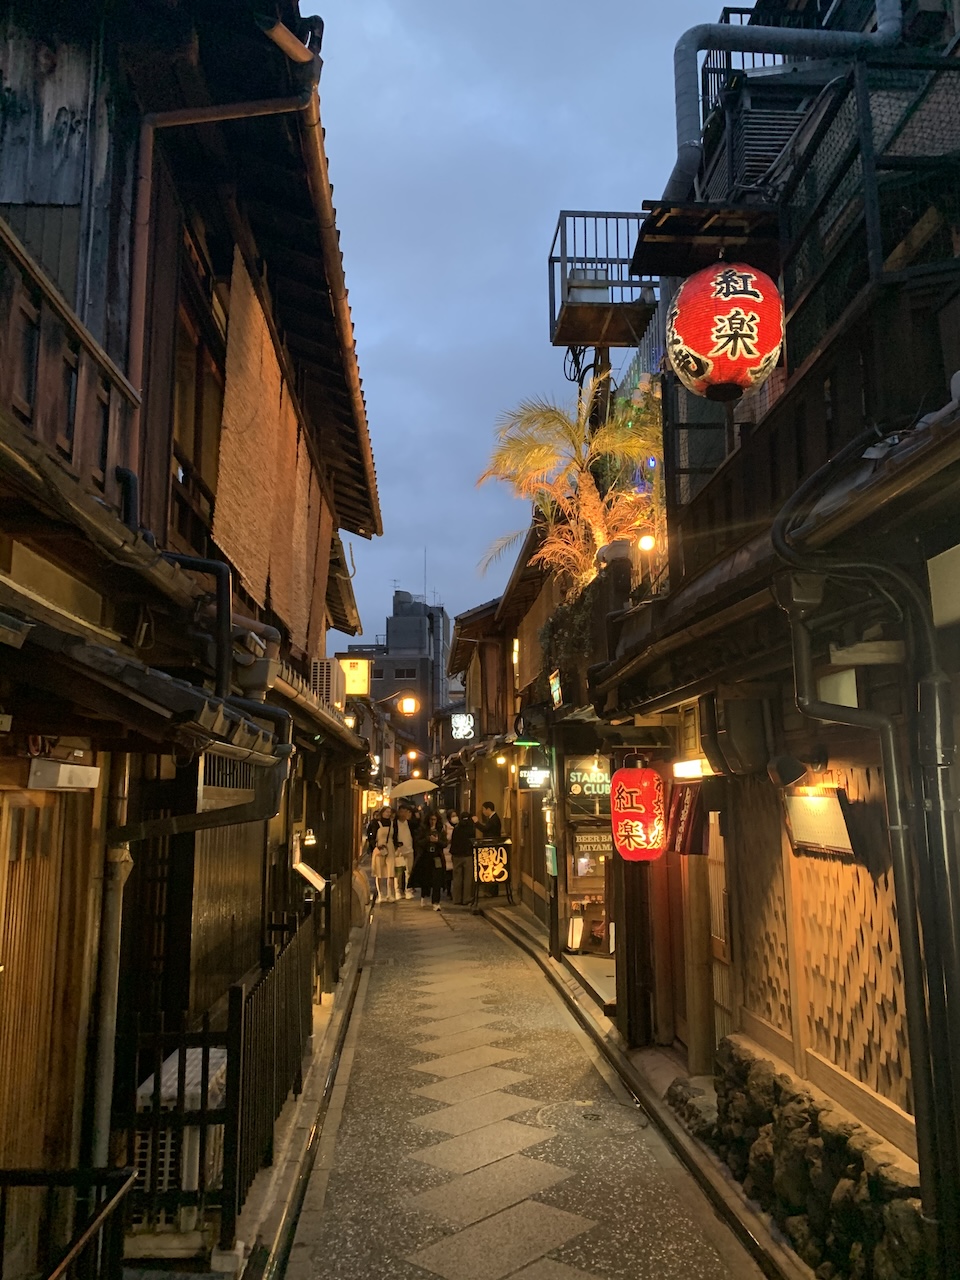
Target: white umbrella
point(413, 787)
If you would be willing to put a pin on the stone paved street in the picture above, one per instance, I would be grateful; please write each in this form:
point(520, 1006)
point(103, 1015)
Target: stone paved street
point(474, 1134)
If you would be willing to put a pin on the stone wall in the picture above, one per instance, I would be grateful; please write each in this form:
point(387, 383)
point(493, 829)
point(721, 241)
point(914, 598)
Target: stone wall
point(847, 1201)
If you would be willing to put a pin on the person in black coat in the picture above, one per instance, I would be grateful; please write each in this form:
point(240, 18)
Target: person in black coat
point(461, 849)
point(428, 870)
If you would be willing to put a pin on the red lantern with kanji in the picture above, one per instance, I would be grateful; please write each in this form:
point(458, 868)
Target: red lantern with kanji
point(725, 330)
point(637, 814)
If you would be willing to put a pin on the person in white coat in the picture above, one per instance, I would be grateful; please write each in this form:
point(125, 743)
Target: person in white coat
point(384, 866)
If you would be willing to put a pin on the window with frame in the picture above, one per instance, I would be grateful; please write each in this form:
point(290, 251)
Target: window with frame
point(197, 408)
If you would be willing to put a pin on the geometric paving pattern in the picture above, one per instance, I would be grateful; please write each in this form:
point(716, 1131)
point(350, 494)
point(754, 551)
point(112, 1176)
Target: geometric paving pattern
point(475, 1139)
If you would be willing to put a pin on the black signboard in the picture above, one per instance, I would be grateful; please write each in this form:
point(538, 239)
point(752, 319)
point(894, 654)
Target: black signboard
point(533, 777)
point(491, 867)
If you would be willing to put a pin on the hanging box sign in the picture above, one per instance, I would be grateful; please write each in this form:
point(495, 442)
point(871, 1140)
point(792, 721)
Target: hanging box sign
point(637, 814)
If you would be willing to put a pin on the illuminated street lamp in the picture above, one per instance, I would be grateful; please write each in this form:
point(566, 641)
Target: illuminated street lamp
point(411, 755)
point(414, 773)
point(647, 542)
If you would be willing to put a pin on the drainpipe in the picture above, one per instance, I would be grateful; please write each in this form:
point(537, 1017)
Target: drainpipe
point(936, 845)
point(801, 600)
point(117, 867)
point(267, 797)
point(754, 39)
point(224, 620)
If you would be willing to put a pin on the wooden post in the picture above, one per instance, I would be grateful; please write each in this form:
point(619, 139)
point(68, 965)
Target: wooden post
point(664, 1024)
point(633, 968)
point(701, 1035)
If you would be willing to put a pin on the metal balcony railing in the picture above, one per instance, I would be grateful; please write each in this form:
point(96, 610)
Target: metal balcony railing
point(84, 1208)
point(594, 301)
point(875, 193)
point(720, 65)
point(56, 381)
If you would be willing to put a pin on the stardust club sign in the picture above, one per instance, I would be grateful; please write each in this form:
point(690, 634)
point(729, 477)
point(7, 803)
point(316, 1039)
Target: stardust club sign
point(637, 814)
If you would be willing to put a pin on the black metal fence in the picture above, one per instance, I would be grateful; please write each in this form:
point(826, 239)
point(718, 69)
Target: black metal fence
point(199, 1105)
point(63, 1224)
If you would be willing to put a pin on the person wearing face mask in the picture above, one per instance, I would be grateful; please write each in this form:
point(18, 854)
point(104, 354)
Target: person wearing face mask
point(450, 820)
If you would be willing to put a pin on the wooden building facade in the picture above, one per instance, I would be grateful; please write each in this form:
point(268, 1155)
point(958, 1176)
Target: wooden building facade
point(182, 439)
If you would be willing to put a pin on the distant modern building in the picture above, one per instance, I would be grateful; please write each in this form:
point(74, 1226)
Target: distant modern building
point(411, 658)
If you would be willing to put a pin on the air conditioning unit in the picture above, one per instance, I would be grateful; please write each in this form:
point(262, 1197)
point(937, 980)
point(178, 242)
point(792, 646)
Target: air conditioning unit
point(328, 683)
point(178, 1150)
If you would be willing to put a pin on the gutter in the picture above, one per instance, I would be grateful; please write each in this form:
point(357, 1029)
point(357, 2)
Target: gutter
point(267, 797)
point(757, 603)
point(754, 39)
point(313, 711)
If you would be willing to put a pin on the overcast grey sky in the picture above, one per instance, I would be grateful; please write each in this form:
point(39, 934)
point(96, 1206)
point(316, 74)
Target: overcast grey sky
point(456, 133)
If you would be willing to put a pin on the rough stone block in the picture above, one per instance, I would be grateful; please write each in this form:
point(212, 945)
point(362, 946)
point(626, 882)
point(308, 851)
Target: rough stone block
point(900, 1254)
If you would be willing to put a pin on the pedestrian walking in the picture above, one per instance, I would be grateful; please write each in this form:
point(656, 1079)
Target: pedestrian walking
point(383, 863)
point(450, 820)
point(461, 853)
point(428, 870)
point(404, 852)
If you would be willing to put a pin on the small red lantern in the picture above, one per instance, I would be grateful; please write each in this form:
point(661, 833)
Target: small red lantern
point(725, 330)
point(637, 814)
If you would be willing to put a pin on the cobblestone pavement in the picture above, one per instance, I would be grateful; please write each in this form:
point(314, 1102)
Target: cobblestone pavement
point(474, 1133)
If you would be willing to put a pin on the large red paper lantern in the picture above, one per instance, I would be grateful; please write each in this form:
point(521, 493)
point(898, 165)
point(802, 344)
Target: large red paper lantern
point(725, 330)
point(637, 814)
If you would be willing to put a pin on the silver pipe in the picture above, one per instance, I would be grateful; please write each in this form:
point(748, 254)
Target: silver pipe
point(117, 867)
point(754, 39)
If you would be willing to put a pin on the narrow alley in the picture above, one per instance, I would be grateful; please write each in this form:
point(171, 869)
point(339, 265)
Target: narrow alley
point(475, 1133)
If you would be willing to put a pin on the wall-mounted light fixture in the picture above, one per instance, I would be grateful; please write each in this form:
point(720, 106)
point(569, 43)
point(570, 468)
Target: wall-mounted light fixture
point(501, 759)
point(309, 839)
point(785, 770)
point(312, 877)
point(690, 770)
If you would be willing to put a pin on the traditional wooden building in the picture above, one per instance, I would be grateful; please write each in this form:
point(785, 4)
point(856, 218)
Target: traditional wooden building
point(802, 915)
point(182, 439)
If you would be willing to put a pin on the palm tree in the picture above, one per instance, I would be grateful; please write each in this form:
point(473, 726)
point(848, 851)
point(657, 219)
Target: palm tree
point(590, 484)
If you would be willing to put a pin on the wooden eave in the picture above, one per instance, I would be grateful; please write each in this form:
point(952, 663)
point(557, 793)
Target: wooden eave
point(681, 239)
point(525, 582)
point(468, 627)
point(261, 164)
point(341, 602)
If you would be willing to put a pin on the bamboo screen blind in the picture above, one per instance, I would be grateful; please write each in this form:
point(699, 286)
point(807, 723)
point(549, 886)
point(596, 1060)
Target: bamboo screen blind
point(270, 520)
point(763, 943)
point(850, 952)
